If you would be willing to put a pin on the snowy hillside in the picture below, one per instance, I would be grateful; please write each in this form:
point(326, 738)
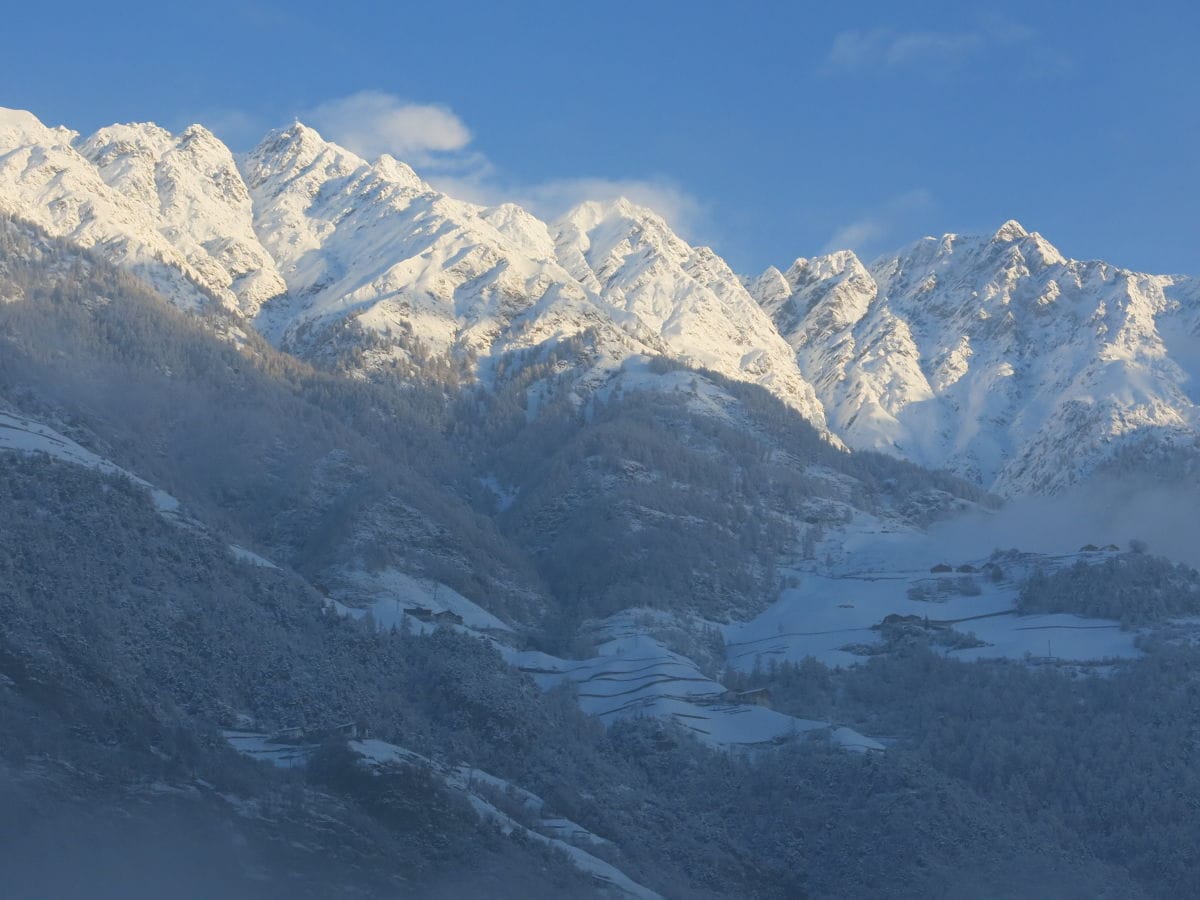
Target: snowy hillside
point(412, 267)
point(23, 435)
point(189, 188)
point(635, 675)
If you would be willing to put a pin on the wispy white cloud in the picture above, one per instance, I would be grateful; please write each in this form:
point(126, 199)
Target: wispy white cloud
point(883, 49)
point(881, 228)
point(370, 123)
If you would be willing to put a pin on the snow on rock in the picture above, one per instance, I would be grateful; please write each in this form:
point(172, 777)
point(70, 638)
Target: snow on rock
point(172, 209)
point(188, 186)
point(686, 297)
point(376, 244)
point(994, 356)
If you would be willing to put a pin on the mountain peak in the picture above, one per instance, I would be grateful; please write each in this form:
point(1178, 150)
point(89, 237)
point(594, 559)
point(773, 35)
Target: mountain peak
point(20, 127)
point(627, 207)
point(1035, 247)
point(300, 132)
point(599, 238)
point(297, 140)
point(197, 133)
point(591, 213)
point(827, 266)
point(770, 289)
point(1012, 230)
point(285, 153)
point(112, 141)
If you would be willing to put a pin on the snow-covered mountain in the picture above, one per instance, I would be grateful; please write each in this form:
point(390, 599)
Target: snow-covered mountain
point(374, 243)
point(172, 208)
point(304, 238)
point(995, 357)
point(687, 297)
point(189, 187)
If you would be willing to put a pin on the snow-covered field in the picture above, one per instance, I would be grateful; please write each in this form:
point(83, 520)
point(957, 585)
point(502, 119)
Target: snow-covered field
point(832, 613)
point(250, 557)
point(635, 674)
point(824, 615)
point(260, 746)
point(864, 571)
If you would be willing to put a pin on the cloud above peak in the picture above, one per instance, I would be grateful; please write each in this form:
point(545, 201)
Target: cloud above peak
point(437, 142)
point(371, 123)
point(434, 140)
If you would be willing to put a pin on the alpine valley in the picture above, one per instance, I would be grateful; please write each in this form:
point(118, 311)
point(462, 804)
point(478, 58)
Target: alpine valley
point(356, 540)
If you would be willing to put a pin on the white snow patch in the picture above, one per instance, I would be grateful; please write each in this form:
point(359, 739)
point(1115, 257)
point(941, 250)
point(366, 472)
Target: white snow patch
point(505, 496)
point(257, 745)
point(248, 556)
point(388, 593)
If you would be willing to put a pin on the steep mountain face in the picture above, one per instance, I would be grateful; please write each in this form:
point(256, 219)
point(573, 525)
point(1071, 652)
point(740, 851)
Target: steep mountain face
point(994, 357)
point(373, 245)
point(189, 187)
point(686, 297)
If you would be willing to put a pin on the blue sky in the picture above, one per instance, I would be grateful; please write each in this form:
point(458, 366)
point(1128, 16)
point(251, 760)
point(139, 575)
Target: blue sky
point(769, 130)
